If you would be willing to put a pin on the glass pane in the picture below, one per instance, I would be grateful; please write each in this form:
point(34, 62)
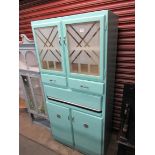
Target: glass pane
point(28, 92)
point(84, 47)
point(49, 48)
point(22, 62)
point(31, 59)
point(38, 94)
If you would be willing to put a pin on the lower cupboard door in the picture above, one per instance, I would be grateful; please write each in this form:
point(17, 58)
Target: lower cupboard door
point(60, 123)
point(87, 133)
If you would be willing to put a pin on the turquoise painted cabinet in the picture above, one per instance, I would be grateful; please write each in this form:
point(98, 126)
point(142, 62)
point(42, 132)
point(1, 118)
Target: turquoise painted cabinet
point(77, 57)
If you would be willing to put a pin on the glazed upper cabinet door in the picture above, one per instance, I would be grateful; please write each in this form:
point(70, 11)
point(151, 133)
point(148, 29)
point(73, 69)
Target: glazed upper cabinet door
point(84, 38)
point(49, 47)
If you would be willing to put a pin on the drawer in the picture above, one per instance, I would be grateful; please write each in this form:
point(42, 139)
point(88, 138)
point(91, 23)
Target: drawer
point(87, 132)
point(60, 124)
point(53, 80)
point(86, 86)
point(78, 99)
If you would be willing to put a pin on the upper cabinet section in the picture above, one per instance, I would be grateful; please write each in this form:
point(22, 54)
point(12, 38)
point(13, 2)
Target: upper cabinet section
point(72, 45)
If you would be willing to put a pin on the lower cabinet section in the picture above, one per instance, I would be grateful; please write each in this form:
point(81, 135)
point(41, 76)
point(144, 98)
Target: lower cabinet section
point(87, 132)
point(75, 128)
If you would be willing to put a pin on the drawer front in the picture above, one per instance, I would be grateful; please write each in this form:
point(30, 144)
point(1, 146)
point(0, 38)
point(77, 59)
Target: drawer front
point(67, 96)
point(87, 132)
point(87, 86)
point(54, 80)
point(60, 123)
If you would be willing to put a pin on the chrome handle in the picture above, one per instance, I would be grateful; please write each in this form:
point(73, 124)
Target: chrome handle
point(60, 41)
point(82, 86)
point(52, 80)
point(58, 116)
point(85, 125)
point(64, 40)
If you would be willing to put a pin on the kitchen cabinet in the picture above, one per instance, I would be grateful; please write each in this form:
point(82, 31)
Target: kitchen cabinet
point(77, 60)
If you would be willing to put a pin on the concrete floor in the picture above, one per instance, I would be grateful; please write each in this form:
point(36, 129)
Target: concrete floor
point(29, 147)
point(37, 140)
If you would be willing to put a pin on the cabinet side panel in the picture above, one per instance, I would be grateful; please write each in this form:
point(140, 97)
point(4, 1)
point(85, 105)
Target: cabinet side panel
point(110, 78)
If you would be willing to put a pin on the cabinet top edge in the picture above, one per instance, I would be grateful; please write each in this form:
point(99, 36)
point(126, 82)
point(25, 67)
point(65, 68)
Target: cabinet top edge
point(57, 19)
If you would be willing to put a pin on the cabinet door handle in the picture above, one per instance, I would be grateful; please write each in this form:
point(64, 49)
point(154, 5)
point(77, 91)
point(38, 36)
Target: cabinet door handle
point(85, 125)
point(64, 40)
point(60, 41)
point(58, 116)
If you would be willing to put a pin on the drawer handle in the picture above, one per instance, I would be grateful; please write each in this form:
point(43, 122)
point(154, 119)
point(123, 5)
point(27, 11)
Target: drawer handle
point(85, 87)
point(52, 80)
point(85, 125)
point(58, 116)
